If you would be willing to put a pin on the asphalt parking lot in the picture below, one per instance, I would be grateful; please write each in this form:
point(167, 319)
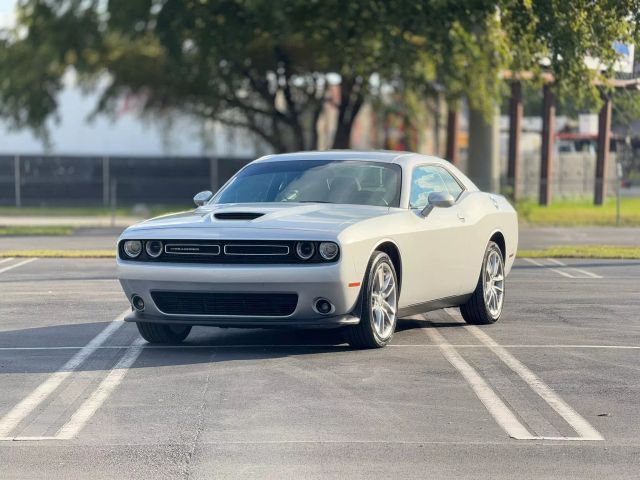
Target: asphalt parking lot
point(551, 391)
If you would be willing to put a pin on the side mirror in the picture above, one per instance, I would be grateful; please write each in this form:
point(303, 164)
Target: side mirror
point(203, 197)
point(438, 199)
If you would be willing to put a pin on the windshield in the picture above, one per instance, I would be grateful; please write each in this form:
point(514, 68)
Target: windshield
point(321, 181)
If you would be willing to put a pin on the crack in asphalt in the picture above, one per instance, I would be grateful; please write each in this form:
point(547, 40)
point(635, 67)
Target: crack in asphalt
point(199, 423)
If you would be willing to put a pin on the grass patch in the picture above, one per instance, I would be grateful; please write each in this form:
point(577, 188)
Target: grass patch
point(584, 251)
point(59, 253)
point(580, 212)
point(26, 231)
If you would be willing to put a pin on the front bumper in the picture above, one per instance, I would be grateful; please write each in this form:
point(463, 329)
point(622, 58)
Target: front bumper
point(246, 322)
point(309, 282)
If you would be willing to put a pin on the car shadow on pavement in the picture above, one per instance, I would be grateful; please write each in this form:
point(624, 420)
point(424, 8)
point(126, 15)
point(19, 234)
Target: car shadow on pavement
point(47, 349)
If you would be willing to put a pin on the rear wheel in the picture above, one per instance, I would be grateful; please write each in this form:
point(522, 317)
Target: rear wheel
point(485, 305)
point(379, 305)
point(163, 333)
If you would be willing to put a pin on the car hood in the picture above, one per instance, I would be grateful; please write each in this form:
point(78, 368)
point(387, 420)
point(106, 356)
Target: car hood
point(317, 217)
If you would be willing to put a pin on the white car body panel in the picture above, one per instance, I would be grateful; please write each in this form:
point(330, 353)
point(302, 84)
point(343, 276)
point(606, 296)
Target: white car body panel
point(440, 255)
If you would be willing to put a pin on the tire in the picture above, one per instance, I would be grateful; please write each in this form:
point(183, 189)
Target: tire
point(482, 308)
point(378, 317)
point(163, 333)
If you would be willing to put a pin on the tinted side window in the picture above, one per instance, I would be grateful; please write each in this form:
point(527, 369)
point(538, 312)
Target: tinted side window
point(428, 179)
point(451, 183)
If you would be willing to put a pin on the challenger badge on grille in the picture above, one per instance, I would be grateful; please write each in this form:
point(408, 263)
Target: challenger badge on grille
point(191, 249)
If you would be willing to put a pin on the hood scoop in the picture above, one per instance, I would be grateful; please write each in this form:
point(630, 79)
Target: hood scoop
point(237, 215)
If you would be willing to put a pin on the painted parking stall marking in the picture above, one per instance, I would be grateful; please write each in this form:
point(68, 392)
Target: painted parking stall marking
point(578, 271)
point(10, 421)
point(496, 407)
point(584, 430)
point(16, 265)
point(561, 268)
point(100, 395)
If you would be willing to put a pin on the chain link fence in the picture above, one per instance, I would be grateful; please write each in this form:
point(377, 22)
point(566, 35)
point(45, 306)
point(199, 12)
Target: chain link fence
point(92, 181)
point(38, 180)
point(573, 176)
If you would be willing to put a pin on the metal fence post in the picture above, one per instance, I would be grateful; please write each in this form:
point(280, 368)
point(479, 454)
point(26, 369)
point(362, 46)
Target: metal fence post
point(105, 181)
point(17, 181)
point(619, 181)
point(113, 200)
point(214, 174)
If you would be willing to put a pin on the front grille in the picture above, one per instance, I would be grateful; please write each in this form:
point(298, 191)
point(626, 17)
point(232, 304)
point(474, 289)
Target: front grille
point(256, 249)
point(226, 304)
point(214, 251)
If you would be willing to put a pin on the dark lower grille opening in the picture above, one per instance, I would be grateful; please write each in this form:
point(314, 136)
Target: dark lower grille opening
point(231, 304)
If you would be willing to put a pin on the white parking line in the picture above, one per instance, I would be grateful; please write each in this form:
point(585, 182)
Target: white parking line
point(539, 264)
point(496, 407)
point(566, 271)
point(573, 418)
point(16, 265)
point(80, 418)
point(5, 260)
point(46, 388)
point(325, 345)
point(579, 270)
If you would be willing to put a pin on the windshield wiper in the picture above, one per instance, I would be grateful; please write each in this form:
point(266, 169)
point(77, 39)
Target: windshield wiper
point(313, 201)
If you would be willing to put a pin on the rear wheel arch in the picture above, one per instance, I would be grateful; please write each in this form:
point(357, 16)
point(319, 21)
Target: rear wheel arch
point(498, 238)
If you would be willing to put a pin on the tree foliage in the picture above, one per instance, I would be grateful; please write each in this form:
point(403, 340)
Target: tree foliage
point(268, 65)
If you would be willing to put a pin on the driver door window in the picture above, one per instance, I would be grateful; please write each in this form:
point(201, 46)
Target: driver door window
point(428, 179)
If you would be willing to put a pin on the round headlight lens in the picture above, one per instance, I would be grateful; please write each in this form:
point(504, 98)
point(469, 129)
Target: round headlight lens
point(305, 250)
point(154, 248)
point(328, 250)
point(132, 248)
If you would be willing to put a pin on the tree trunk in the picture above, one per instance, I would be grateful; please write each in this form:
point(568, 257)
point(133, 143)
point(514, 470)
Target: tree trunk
point(342, 138)
point(351, 99)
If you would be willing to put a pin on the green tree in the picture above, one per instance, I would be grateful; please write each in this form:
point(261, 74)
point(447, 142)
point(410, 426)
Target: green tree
point(267, 65)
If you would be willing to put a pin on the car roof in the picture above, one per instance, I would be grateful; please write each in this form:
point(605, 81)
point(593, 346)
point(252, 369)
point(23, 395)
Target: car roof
point(388, 156)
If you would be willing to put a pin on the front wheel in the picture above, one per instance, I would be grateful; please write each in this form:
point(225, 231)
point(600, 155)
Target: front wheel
point(379, 305)
point(163, 333)
point(485, 305)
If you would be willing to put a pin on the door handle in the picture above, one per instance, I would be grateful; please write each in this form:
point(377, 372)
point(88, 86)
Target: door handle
point(461, 217)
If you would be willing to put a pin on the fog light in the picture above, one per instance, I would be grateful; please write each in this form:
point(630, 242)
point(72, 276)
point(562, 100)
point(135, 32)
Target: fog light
point(132, 248)
point(305, 250)
point(137, 302)
point(323, 306)
point(154, 248)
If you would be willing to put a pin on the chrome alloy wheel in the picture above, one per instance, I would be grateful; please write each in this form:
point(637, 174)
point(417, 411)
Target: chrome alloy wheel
point(384, 298)
point(494, 283)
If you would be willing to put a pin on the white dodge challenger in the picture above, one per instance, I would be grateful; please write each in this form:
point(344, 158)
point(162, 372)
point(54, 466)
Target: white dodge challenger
point(322, 239)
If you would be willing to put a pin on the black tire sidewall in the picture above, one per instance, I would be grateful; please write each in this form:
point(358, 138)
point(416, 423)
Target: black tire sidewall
point(490, 248)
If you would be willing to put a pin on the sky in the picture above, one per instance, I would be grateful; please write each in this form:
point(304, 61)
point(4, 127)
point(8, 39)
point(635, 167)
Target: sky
point(7, 13)
point(128, 135)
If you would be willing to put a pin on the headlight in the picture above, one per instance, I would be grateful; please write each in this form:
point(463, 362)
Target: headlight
point(328, 250)
point(132, 248)
point(154, 248)
point(305, 250)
